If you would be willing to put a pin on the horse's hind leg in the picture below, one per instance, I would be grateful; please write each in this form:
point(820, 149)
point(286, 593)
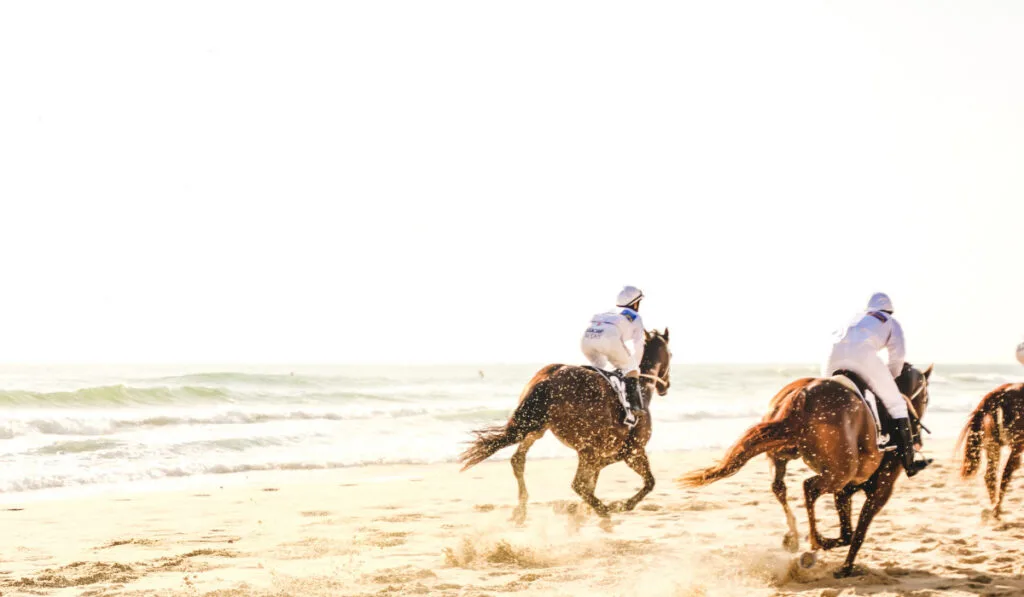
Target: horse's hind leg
point(1012, 464)
point(519, 469)
point(811, 494)
point(814, 488)
point(638, 461)
point(844, 507)
point(878, 491)
point(586, 481)
point(992, 456)
point(791, 541)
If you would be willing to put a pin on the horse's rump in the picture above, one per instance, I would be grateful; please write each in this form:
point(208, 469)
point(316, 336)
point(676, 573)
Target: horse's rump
point(785, 392)
point(580, 384)
point(836, 397)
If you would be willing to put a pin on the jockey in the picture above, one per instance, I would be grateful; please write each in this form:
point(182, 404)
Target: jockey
point(605, 341)
point(856, 349)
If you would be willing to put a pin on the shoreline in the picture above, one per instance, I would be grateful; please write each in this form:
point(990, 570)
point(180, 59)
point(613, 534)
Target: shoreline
point(547, 449)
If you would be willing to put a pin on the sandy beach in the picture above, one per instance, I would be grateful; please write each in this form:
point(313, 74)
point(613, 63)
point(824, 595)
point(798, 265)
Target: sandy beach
point(398, 530)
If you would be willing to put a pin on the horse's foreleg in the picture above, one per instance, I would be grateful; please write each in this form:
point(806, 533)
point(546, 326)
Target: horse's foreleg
point(637, 460)
point(586, 481)
point(792, 539)
point(1012, 464)
point(992, 453)
point(878, 491)
point(519, 469)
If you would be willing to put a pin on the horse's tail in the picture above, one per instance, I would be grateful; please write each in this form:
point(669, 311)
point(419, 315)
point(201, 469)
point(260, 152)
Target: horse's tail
point(531, 415)
point(969, 443)
point(757, 440)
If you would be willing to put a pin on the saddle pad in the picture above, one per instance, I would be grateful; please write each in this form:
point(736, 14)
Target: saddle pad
point(615, 380)
point(846, 381)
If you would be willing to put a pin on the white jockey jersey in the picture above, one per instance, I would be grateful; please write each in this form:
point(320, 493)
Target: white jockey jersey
point(872, 331)
point(626, 322)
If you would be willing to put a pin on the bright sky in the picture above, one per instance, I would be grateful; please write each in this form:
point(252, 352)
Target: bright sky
point(470, 181)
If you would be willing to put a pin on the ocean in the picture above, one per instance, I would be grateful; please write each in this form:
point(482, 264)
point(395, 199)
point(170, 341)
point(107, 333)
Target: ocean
point(72, 427)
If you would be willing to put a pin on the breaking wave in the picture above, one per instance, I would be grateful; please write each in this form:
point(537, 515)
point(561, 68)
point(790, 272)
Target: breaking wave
point(115, 395)
point(95, 427)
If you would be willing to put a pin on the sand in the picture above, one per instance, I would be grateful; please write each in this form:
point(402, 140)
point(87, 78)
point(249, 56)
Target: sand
point(429, 530)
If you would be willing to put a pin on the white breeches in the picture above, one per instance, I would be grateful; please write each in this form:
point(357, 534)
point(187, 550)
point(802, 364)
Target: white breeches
point(603, 345)
point(873, 371)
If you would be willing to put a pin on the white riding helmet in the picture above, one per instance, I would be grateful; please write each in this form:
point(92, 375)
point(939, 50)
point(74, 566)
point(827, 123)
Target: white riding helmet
point(880, 302)
point(628, 295)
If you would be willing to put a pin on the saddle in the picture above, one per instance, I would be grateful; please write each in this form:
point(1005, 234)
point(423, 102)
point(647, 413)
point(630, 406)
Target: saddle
point(884, 424)
point(616, 380)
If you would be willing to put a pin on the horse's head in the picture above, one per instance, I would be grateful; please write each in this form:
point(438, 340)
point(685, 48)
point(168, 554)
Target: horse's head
point(913, 383)
point(654, 365)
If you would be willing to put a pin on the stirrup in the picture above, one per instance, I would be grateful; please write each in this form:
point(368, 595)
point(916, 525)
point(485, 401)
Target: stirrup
point(630, 419)
point(917, 466)
point(883, 443)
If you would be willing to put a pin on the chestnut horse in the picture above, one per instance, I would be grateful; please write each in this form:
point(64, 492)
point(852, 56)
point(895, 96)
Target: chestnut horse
point(582, 410)
point(997, 421)
point(825, 422)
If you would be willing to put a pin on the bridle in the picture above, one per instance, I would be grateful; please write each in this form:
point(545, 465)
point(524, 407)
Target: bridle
point(910, 403)
point(657, 380)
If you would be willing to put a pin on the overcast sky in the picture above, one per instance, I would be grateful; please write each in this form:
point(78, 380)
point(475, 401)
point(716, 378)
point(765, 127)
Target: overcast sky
point(470, 181)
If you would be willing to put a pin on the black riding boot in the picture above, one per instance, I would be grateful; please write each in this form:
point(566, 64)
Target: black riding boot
point(636, 401)
point(906, 447)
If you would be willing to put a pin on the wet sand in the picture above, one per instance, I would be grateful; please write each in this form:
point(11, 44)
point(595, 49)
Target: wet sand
point(429, 530)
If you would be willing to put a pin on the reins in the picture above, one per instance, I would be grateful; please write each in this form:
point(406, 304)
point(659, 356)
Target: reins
point(657, 380)
point(910, 404)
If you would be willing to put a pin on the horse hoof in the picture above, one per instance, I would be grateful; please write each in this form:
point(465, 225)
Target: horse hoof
point(621, 506)
point(843, 572)
point(519, 517)
point(791, 542)
point(808, 559)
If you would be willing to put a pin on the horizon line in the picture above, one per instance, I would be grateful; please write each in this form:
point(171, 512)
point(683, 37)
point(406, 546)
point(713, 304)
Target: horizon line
point(265, 363)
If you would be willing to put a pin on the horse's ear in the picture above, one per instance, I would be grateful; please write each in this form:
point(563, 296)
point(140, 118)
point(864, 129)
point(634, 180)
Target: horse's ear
point(928, 372)
point(665, 335)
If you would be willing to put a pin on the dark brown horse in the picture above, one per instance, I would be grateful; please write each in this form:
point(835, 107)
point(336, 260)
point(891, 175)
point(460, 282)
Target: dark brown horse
point(583, 411)
point(997, 421)
point(824, 422)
